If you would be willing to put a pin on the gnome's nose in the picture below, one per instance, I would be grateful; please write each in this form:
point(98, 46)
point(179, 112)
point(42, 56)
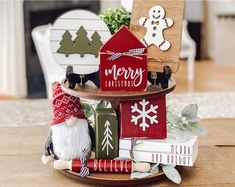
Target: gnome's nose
point(71, 121)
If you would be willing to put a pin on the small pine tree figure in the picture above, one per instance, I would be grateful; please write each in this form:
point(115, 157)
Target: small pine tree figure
point(106, 145)
point(96, 44)
point(82, 42)
point(66, 44)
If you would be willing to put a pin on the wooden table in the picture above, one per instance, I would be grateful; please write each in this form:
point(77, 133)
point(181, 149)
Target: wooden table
point(21, 149)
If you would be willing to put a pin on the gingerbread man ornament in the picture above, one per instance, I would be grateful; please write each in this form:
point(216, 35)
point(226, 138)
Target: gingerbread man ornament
point(156, 24)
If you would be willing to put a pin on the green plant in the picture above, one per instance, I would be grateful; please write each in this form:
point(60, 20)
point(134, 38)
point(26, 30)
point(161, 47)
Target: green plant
point(115, 18)
point(186, 125)
point(89, 109)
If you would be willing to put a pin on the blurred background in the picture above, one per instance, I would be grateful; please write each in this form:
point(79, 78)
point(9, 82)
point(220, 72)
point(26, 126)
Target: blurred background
point(207, 52)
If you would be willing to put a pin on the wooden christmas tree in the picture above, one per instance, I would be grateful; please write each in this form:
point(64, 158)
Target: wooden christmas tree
point(96, 44)
point(106, 128)
point(66, 44)
point(82, 42)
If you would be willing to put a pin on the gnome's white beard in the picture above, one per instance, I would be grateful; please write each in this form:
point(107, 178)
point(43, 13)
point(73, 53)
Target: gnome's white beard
point(69, 141)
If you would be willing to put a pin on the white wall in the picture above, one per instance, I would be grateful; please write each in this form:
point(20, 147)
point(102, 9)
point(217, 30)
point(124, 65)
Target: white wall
point(105, 4)
point(193, 10)
point(127, 4)
point(216, 7)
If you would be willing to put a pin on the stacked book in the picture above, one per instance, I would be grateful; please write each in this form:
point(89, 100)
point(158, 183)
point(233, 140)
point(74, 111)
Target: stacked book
point(167, 151)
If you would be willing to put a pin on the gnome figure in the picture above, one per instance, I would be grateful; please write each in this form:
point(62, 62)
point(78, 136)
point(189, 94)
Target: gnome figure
point(70, 135)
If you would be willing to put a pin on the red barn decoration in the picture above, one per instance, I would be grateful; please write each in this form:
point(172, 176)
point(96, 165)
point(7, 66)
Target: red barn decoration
point(123, 63)
point(145, 118)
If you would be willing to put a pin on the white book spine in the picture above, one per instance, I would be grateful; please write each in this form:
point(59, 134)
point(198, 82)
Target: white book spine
point(188, 148)
point(163, 158)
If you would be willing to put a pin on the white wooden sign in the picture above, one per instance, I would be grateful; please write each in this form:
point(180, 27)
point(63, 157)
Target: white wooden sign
point(75, 39)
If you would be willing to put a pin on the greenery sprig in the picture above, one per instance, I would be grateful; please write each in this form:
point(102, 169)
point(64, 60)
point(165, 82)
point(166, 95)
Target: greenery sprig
point(186, 125)
point(115, 18)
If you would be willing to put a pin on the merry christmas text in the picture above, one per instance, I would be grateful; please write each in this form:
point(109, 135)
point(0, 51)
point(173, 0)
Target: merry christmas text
point(124, 76)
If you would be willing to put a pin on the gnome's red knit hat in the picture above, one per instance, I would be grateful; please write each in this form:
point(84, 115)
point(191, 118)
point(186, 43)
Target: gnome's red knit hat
point(64, 105)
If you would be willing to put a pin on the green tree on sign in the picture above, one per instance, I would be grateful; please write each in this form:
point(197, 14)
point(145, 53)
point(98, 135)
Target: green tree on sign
point(106, 143)
point(66, 44)
point(96, 44)
point(82, 42)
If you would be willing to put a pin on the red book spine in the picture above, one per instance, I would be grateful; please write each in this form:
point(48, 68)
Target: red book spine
point(104, 166)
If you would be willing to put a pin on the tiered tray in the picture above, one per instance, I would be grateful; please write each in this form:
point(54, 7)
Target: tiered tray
point(114, 179)
point(90, 92)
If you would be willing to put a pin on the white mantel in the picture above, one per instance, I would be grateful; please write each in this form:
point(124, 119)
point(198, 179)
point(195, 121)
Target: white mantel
point(12, 53)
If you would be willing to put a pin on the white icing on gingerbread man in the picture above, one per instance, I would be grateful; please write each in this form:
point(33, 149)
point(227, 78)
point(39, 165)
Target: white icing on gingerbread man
point(155, 26)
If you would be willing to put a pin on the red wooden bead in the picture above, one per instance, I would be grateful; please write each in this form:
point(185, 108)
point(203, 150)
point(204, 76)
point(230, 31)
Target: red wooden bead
point(144, 118)
point(123, 63)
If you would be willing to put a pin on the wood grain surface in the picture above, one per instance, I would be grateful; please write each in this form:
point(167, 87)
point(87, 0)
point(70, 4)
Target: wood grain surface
point(206, 77)
point(157, 58)
point(21, 149)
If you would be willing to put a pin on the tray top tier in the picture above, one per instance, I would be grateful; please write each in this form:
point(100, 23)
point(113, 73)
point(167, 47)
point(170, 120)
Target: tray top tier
point(90, 92)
